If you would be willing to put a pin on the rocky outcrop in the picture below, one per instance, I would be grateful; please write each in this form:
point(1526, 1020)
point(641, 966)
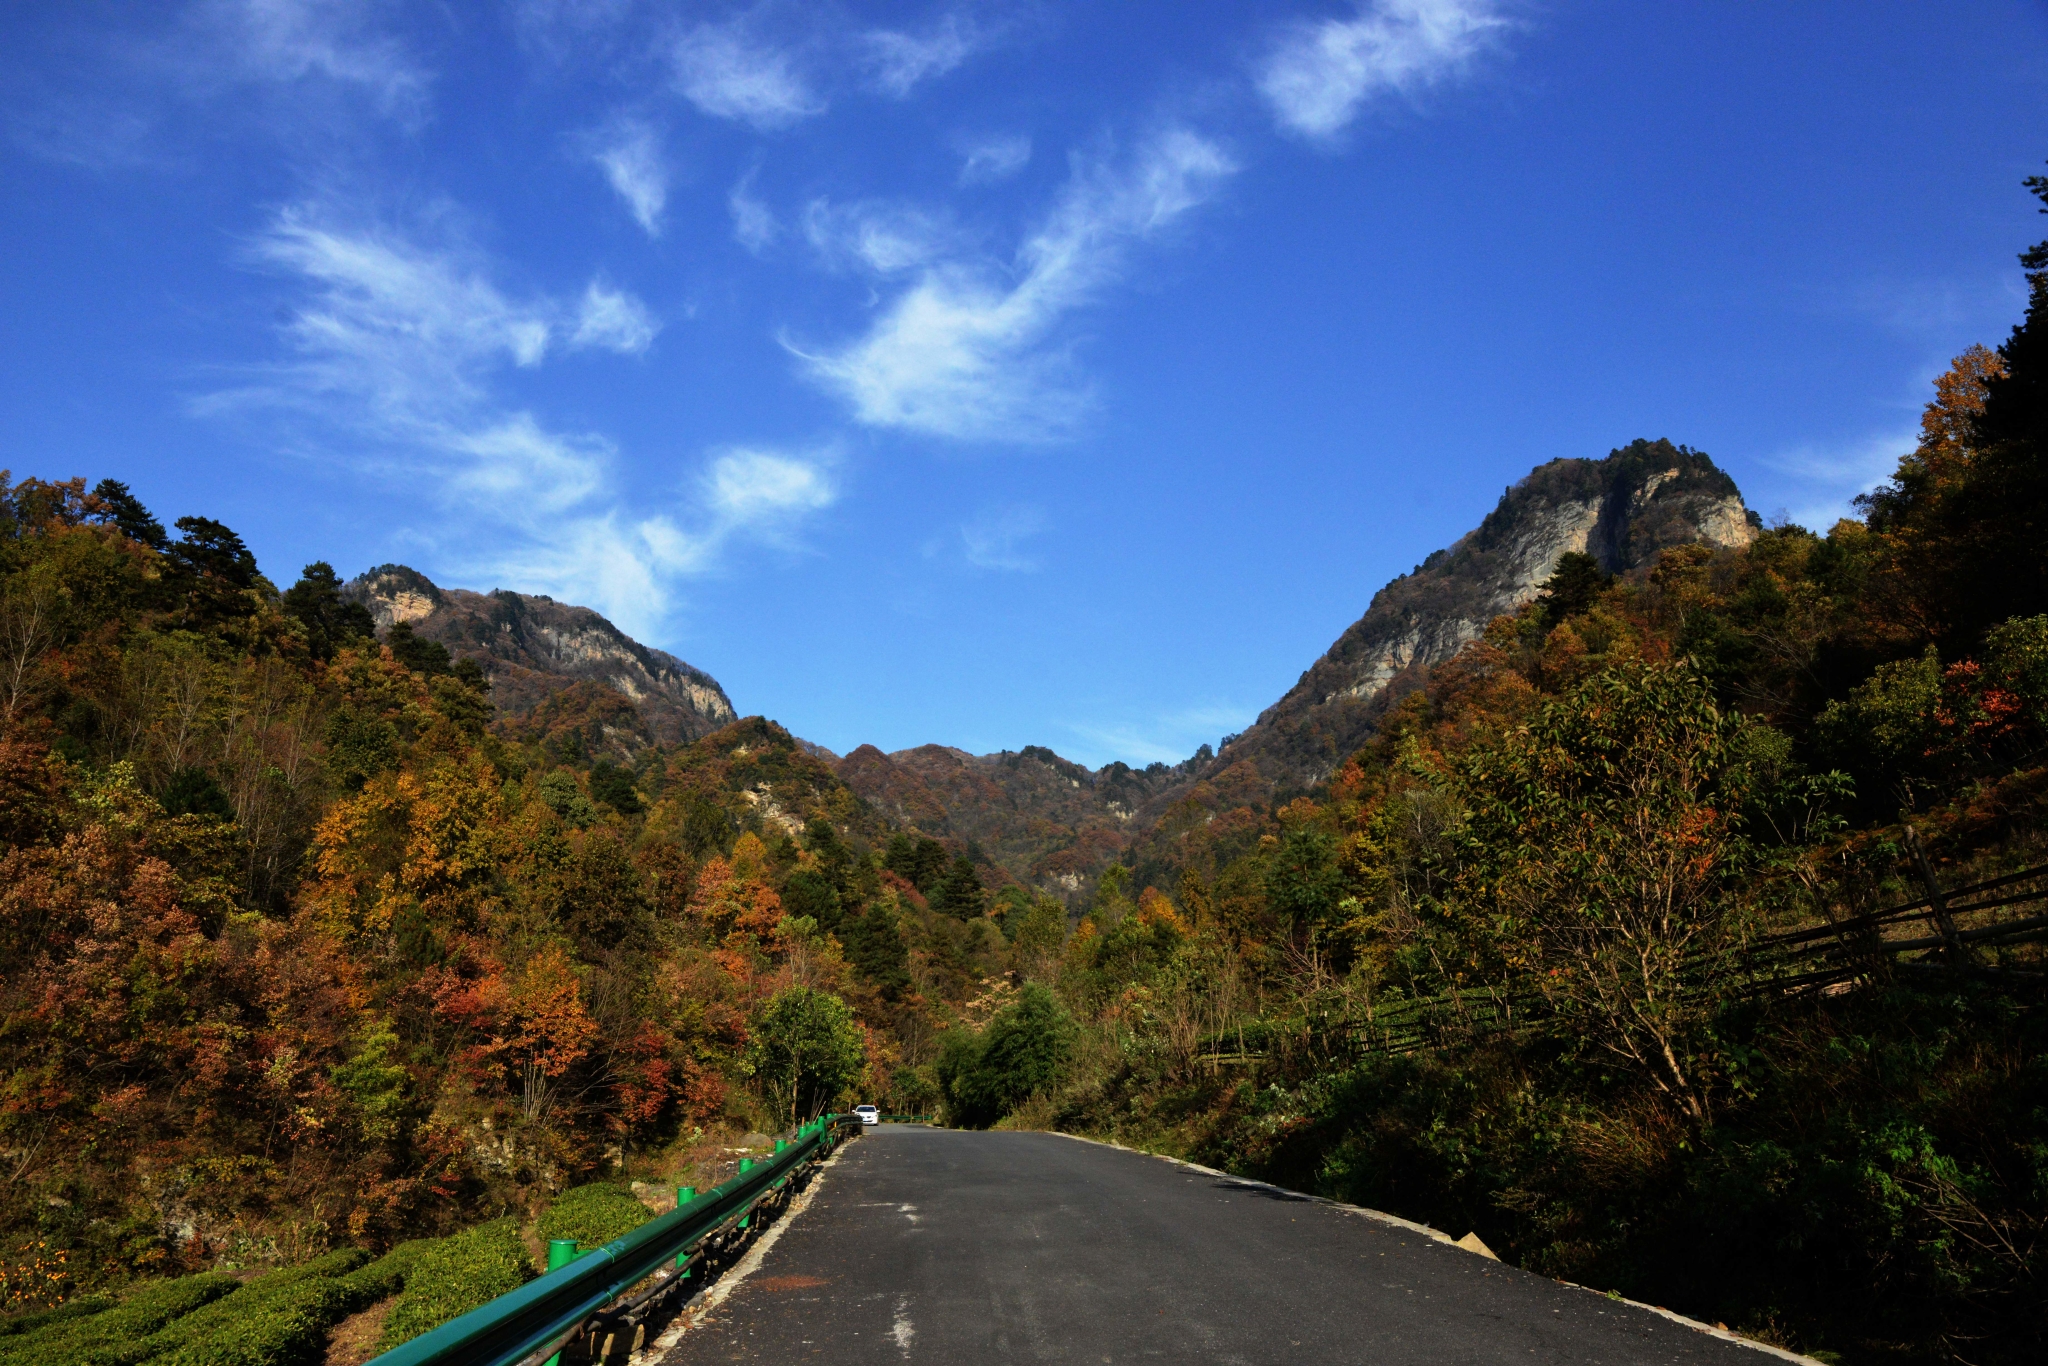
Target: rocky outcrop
point(1623, 510)
point(533, 647)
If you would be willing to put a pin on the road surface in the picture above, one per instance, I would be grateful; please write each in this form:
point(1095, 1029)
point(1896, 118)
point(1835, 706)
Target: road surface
point(930, 1245)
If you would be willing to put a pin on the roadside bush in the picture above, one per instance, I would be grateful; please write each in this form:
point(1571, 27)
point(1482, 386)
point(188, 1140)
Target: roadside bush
point(280, 1320)
point(1023, 1052)
point(386, 1276)
point(112, 1335)
point(593, 1215)
point(451, 1276)
point(41, 1318)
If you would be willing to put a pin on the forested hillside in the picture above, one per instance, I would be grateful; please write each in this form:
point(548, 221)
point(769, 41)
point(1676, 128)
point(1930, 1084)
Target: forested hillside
point(336, 914)
point(306, 947)
point(1528, 964)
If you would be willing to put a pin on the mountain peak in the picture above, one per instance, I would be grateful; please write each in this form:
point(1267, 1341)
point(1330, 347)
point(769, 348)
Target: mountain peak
point(533, 648)
point(1623, 510)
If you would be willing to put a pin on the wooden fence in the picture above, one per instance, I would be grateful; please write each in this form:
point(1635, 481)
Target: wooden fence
point(1985, 929)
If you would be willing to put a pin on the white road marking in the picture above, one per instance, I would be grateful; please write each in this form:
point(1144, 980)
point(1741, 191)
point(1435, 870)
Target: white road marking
point(902, 1330)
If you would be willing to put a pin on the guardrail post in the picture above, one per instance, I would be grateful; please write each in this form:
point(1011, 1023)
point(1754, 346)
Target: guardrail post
point(684, 1195)
point(561, 1252)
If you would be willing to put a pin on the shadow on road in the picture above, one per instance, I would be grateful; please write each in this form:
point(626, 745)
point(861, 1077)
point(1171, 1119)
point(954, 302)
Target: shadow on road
point(1264, 1192)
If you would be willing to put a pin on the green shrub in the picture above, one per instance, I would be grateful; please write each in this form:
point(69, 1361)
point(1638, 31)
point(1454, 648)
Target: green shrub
point(281, 1320)
point(112, 1337)
point(452, 1276)
point(592, 1215)
point(386, 1276)
point(72, 1309)
point(330, 1265)
point(1023, 1052)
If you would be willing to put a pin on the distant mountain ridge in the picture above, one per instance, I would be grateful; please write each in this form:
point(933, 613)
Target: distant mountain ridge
point(534, 648)
point(1624, 511)
point(1057, 825)
point(1047, 821)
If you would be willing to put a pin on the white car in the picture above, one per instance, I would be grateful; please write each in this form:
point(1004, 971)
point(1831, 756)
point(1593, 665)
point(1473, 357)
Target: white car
point(868, 1114)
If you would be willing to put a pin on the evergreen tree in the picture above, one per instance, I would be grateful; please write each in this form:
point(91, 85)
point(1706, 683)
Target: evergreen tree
point(192, 791)
point(331, 621)
point(920, 861)
point(876, 949)
point(834, 858)
point(416, 652)
point(209, 549)
point(126, 511)
point(960, 894)
point(613, 786)
point(806, 891)
point(2000, 515)
point(1571, 588)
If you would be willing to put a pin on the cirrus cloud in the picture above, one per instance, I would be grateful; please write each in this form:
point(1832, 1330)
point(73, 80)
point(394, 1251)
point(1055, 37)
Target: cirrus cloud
point(729, 73)
point(399, 350)
point(968, 350)
point(1319, 76)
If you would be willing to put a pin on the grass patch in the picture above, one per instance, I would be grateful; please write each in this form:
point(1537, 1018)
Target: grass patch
point(592, 1215)
point(451, 1276)
point(113, 1337)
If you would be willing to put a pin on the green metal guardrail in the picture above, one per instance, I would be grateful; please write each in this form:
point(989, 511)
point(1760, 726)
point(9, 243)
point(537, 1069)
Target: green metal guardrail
point(906, 1119)
point(540, 1318)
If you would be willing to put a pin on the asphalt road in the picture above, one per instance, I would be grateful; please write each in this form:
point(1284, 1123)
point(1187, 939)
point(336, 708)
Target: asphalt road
point(928, 1245)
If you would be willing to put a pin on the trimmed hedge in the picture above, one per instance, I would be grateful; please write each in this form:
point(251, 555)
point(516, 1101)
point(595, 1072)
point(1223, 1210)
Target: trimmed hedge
point(281, 1319)
point(259, 1325)
point(386, 1276)
point(113, 1337)
point(451, 1276)
point(592, 1215)
point(70, 1309)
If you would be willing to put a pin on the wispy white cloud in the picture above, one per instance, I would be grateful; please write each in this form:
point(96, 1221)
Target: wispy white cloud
point(399, 349)
point(899, 61)
point(754, 225)
point(729, 73)
point(1319, 76)
point(628, 567)
point(114, 90)
point(1167, 738)
point(294, 40)
point(1814, 484)
point(753, 487)
point(613, 320)
point(967, 351)
point(996, 539)
point(876, 235)
point(995, 159)
point(631, 157)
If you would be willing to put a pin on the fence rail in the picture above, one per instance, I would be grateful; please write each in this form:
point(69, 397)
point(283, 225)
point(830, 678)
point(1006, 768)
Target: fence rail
point(1949, 930)
point(536, 1321)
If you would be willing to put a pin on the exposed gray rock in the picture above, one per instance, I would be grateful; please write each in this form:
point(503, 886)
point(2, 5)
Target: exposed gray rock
point(1624, 511)
point(533, 647)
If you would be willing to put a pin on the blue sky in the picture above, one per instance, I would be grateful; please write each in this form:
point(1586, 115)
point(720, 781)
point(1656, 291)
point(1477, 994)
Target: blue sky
point(984, 374)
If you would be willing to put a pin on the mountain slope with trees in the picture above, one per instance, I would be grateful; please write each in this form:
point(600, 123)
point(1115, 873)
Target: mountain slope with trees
point(534, 650)
point(1514, 967)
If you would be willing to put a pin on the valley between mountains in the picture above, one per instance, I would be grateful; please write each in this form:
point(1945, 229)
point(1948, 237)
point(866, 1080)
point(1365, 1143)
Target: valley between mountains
point(365, 936)
point(1032, 818)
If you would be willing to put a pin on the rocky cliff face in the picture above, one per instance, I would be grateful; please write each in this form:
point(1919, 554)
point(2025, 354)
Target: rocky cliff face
point(1623, 510)
point(1056, 825)
point(534, 647)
